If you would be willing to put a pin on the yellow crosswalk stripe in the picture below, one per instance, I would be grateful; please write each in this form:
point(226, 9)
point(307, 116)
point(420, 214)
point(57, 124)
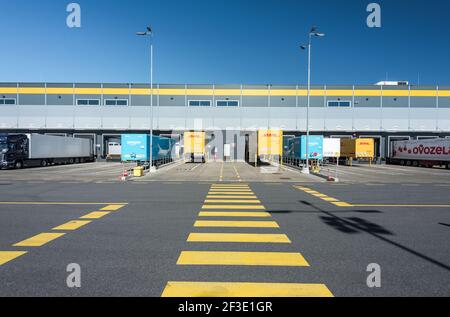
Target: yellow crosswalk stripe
point(238, 237)
point(232, 201)
point(233, 207)
point(255, 214)
point(7, 256)
point(263, 290)
point(232, 187)
point(230, 190)
point(236, 224)
point(342, 204)
point(230, 196)
point(72, 225)
point(112, 207)
point(39, 240)
point(95, 215)
point(330, 199)
point(231, 193)
point(241, 258)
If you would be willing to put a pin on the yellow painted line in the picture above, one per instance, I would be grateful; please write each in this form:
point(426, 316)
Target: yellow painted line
point(262, 290)
point(39, 240)
point(73, 225)
point(230, 184)
point(232, 201)
point(241, 258)
point(7, 256)
point(238, 237)
point(230, 190)
point(235, 224)
point(320, 195)
point(230, 196)
point(95, 215)
point(226, 207)
point(234, 214)
point(342, 204)
point(230, 193)
point(330, 199)
point(54, 203)
point(112, 207)
point(394, 205)
point(312, 192)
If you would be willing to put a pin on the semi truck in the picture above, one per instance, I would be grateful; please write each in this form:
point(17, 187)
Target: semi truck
point(26, 150)
point(426, 153)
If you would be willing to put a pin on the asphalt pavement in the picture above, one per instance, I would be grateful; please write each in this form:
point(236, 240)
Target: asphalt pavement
point(194, 237)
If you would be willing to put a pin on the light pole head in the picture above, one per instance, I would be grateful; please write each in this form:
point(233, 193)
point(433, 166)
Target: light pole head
point(303, 47)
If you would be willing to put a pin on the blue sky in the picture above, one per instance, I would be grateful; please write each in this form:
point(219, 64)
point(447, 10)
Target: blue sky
point(225, 41)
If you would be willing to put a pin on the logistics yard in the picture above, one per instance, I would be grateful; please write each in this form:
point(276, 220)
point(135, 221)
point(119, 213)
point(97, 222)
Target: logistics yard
point(145, 236)
point(225, 149)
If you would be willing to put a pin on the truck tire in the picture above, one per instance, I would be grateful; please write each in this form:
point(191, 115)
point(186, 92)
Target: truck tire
point(18, 165)
point(44, 163)
point(448, 165)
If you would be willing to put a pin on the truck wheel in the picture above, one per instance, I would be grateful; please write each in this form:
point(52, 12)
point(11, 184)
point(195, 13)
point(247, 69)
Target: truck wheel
point(448, 166)
point(44, 163)
point(415, 163)
point(402, 163)
point(18, 165)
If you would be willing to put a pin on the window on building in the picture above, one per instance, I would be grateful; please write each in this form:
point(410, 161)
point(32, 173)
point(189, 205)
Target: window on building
point(339, 104)
point(227, 103)
point(7, 101)
point(199, 103)
point(116, 102)
point(88, 102)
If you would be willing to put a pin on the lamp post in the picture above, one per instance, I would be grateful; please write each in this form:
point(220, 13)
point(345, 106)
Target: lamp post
point(312, 33)
point(149, 32)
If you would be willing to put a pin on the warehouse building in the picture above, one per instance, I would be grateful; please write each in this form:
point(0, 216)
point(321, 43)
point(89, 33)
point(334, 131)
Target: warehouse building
point(230, 114)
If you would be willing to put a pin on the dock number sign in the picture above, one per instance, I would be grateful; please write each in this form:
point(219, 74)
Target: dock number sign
point(270, 142)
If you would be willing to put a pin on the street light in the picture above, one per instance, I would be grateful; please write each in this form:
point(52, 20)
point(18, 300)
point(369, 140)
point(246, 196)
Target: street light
point(312, 33)
point(149, 33)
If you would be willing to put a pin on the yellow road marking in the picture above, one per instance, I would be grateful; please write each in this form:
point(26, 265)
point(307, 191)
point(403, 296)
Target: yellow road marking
point(39, 240)
point(72, 225)
point(112, 207)
point(232, 201)
point(6, 256)
point(233, 207)
point(320, 195)
point(234, 214)
point(238, 237)
point(342, 204)
point(393, 205)
point(95, 215)
point(54, 203)
point(264, 290)
point(225, 184)
point(230, 196)
point(330, 199)
point(213, 192)
point(236, 224)
point(230, 190)
point(241, 258)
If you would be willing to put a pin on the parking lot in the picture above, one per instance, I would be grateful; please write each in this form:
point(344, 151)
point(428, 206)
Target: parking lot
point(87, 172)
point(192, 227)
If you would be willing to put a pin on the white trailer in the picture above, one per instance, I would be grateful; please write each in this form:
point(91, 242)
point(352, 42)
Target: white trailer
point(21, 150)
point(427, 153)
point(332, 148)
